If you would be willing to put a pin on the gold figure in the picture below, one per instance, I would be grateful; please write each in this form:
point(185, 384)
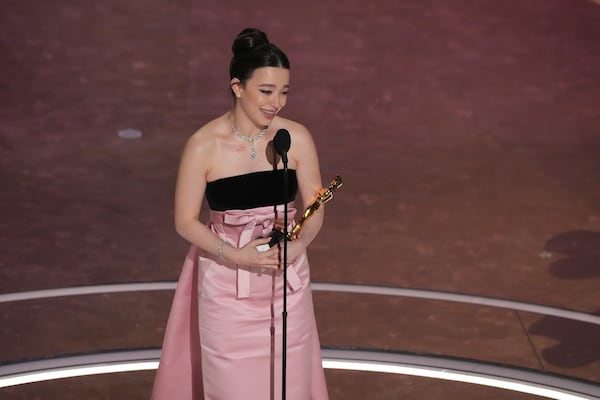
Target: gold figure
point(322, 196)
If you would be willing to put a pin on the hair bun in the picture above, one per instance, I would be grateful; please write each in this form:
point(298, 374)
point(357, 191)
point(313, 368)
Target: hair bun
point(252, 50)
point(247, 40)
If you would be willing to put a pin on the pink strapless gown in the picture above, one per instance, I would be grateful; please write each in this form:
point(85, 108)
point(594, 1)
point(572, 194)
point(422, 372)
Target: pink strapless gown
point(223, 336)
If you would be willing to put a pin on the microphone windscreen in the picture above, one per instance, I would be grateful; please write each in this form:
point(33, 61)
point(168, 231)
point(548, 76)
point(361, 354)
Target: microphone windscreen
point(282, 141)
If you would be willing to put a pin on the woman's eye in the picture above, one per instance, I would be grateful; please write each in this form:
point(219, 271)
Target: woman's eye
point(266, 91)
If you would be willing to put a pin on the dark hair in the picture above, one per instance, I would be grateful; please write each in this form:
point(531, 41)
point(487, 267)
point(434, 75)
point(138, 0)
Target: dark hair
point(251, 50)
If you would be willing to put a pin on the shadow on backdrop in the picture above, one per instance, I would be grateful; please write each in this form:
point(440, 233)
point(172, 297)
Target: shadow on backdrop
point(579, 342)
point(582, 254)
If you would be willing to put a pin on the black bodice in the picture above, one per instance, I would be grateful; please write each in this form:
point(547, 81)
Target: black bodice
point(255, 189)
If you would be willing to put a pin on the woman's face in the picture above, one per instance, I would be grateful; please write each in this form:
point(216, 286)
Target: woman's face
point(264, 94)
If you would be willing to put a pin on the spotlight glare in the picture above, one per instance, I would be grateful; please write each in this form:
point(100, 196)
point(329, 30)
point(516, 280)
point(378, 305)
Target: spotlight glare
point(328, 363)
point(129, 133)
point(454, 376)
point(72, 372)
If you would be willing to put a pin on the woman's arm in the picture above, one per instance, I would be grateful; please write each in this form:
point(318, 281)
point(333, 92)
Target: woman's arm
point(198, 155)
point(304, 153)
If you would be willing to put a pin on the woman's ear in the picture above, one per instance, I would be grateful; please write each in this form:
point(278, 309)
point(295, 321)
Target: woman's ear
point(236, 87)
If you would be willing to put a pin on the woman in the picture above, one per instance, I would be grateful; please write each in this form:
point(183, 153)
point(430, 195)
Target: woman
point(228, 288)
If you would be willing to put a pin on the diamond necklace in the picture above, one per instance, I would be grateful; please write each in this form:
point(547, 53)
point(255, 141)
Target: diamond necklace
point(250, 139)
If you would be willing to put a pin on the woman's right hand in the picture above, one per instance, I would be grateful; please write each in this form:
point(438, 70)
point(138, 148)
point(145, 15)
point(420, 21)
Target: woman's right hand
point(250, 256)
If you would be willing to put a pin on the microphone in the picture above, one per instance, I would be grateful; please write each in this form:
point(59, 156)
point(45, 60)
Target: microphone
point(282, 143)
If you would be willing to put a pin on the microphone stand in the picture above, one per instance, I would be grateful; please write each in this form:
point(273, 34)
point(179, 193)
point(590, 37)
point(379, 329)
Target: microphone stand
point(285, 242)
point(281, 143)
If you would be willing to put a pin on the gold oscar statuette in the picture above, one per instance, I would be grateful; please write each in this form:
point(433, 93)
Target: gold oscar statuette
point(322, 196)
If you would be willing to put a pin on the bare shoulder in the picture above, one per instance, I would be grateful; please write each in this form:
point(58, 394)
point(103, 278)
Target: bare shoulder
point(202, 149)
point(298, 132)
point(205, 140)
point(303, 153)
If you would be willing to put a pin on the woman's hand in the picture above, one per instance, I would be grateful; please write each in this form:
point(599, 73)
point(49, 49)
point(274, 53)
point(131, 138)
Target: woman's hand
point(295, 248)
point(250, 256)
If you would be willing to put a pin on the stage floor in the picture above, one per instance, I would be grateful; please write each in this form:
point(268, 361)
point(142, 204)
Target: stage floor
point(467, 134)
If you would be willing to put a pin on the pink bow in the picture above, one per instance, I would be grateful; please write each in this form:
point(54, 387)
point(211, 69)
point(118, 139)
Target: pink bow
point(256, 222)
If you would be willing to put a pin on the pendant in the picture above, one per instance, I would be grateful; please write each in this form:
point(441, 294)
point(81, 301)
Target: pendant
point(252, 151)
